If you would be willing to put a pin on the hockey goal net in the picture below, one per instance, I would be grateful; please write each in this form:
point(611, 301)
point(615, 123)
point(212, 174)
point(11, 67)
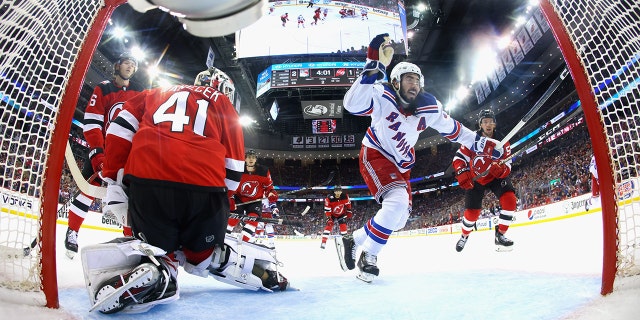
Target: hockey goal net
point(600, 41)
point(46, 48)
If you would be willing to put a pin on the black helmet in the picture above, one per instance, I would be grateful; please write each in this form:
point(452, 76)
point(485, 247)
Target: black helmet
point(127, 56)
point(337, 188)
point(486, 113)
point(250, 152)
point(124, 56)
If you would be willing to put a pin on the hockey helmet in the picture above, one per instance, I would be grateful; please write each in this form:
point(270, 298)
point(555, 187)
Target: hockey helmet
point(486, 113)
point(337, 188)
point(250, 152)
point(123, 57)
point(214, 77)
point(406, 67)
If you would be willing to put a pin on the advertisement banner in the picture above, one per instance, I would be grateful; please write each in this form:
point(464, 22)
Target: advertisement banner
point(322, 109)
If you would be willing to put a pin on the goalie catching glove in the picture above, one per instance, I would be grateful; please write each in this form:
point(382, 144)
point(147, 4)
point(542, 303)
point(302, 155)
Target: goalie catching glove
point(379, 55)
point(116, 200)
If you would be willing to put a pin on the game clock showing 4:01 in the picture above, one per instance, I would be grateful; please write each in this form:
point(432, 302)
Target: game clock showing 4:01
point(310, 77)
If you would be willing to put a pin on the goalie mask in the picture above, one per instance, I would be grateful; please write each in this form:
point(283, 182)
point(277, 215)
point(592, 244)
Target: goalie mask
point(216, 79)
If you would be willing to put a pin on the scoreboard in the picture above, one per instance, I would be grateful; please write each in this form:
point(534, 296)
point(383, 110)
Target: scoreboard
point(308, 74)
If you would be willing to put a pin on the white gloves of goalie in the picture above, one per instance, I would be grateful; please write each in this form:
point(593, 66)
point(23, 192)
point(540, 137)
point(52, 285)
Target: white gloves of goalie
point(116, 201)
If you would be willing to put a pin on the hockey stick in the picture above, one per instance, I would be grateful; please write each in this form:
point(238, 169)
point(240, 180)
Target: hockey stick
point(324, 183)
point(83, 185)
point(93, 177)
point(301, 214)
point(17, 253)
point(545, 96)
point(280, 221)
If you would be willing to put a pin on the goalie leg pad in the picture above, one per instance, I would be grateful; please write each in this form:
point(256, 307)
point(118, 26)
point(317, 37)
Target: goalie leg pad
point(106, 261)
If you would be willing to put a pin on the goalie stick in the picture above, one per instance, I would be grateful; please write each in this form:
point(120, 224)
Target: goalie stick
point(324, 183)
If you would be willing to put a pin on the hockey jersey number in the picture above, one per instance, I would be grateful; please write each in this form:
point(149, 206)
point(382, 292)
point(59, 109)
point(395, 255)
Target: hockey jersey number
point(179, 117)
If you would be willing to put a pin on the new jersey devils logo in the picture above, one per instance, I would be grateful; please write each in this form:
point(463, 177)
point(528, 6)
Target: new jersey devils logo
point(113, 113)
point(249, 188)
point(480, 164)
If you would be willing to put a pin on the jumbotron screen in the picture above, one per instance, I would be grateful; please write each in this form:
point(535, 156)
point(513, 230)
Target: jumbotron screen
point(296, 28)
point(308, 74)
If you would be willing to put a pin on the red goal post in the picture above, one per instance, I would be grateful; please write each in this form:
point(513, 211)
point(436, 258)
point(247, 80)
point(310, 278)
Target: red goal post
point(47, 47)
point(600, 41)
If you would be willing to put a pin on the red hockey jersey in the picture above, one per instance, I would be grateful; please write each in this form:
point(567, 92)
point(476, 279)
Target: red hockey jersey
point(478, 164)
point(337, 207)
point(105, 103)
point(255, 185)
point(184, 134)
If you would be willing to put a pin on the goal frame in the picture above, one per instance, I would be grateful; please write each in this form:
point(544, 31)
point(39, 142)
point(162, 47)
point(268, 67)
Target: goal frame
point(599, 143)
point(53, 173)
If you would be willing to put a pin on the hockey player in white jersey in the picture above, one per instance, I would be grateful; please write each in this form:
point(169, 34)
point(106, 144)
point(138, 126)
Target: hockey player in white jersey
point(399, 111)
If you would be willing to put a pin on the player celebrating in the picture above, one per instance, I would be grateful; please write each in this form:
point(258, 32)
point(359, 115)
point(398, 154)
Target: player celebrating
point(284, 18)
point(337, 208)
point(106, 101)
point(469, 166)
point(399, 112)
point(175, 201)
point(255, 184)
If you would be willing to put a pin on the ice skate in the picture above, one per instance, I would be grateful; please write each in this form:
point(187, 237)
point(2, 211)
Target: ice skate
point(346, 248)
point(503, 243)
point(323, 245)
point(71, 243)
point(368, 268)
point(121, 291)
point(461, 242)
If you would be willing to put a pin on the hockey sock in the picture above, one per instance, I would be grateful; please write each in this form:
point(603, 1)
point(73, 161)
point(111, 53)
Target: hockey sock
point(469, 220)
point(78, 210)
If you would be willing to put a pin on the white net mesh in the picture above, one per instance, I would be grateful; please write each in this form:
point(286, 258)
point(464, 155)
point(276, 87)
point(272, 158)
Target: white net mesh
point(39, 42)
point(606, 35)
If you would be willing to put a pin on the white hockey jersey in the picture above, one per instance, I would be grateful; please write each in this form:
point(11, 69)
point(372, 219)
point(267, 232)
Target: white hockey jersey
point(394, 132)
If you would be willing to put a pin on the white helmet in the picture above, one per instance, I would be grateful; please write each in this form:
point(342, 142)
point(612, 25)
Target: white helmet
point(406, 67)
point(215, 78)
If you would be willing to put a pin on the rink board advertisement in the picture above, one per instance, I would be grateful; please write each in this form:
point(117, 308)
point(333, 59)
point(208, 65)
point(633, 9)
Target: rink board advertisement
point(14, 204)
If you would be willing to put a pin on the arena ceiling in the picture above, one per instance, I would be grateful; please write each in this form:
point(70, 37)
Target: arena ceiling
point(444, 38)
